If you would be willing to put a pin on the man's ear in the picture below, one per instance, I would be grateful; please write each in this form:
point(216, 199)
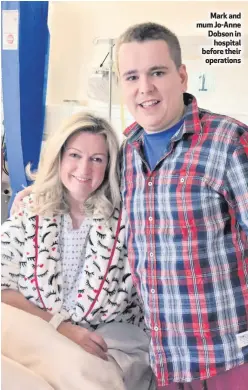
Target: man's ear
point(184, 77)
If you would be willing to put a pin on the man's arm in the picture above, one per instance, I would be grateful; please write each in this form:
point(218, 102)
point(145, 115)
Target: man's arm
point(18, 199)
point(237, 182)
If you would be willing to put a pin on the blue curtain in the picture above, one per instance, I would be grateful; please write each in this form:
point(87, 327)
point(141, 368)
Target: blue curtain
point(24, 82)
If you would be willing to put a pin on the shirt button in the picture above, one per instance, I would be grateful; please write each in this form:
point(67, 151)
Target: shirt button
point(150, 218)
point(152, 291)
point(150, 183)
point(182, 180)
point(151, 254)
point(156, 328)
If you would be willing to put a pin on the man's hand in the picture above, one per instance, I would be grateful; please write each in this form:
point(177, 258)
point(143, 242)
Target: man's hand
point(89, 341)
point(16, 205)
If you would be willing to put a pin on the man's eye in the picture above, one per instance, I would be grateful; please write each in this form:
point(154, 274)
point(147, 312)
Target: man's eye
point(158, 73)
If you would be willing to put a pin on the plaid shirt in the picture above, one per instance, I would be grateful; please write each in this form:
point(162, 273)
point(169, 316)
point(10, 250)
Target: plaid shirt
point(187, 243)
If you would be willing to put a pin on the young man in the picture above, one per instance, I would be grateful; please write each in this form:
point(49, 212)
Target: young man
point(185, 190)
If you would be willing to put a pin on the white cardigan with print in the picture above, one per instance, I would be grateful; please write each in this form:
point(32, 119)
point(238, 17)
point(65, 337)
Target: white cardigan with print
point(31, 264)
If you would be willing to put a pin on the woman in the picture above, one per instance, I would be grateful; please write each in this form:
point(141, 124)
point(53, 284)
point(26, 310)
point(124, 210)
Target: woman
point(63, 254)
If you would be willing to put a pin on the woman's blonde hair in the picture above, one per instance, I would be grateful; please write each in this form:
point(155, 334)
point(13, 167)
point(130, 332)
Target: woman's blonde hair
point(48, 190)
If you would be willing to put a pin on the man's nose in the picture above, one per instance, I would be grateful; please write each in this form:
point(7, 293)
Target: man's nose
point(145, 85)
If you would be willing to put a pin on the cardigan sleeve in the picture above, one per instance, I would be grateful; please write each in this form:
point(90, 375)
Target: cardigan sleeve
point(12, 245)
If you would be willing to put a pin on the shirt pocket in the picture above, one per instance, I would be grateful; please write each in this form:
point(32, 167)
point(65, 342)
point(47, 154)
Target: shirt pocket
point(199, 202)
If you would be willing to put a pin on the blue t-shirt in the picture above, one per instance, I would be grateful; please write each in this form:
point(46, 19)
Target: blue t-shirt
point(155, 144)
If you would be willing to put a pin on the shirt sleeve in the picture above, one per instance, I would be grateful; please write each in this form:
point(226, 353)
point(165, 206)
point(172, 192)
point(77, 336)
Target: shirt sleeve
point(237, 182)
point(12, 244)
point(122, 170)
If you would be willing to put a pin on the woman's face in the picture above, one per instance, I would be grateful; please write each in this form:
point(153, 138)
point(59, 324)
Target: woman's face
point(83, 164)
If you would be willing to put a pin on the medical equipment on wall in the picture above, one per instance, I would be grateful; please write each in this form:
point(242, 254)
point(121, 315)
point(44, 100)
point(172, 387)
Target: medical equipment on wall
point(103, 82)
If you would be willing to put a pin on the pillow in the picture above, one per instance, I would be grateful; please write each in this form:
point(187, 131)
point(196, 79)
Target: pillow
point(16, 377)
point(36, 345)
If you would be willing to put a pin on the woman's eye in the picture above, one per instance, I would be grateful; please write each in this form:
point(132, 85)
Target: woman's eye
point(74, 155)
point(131, 78)
point(97, 159)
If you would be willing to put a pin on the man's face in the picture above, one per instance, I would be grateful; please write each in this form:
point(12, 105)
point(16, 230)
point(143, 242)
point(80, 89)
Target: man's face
point(152, 86)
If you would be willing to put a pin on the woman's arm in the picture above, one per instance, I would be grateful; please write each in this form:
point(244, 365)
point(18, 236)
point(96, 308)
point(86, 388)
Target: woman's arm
point(13, 239)
point(12, 245)
point(16, 299)
point(89, 341)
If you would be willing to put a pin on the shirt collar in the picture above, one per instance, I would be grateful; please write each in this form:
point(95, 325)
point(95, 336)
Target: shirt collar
point(192, 123)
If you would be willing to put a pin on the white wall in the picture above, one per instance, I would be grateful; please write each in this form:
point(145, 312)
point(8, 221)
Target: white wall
point(74, 26)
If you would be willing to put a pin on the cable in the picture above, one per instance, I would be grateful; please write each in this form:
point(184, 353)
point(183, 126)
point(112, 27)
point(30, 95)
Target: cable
point(3, 147)
point(105, 57)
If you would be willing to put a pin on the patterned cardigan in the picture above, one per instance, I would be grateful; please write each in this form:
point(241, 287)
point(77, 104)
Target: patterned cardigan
point(31, 265)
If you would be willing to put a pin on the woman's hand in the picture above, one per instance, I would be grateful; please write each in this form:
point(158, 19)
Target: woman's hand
point(18, 199)
point(89, 341)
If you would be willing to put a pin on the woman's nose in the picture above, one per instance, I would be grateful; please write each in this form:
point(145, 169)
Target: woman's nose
point(85, 166)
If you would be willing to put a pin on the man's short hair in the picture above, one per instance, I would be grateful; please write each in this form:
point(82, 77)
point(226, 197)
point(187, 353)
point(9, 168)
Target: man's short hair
point(148, 32)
